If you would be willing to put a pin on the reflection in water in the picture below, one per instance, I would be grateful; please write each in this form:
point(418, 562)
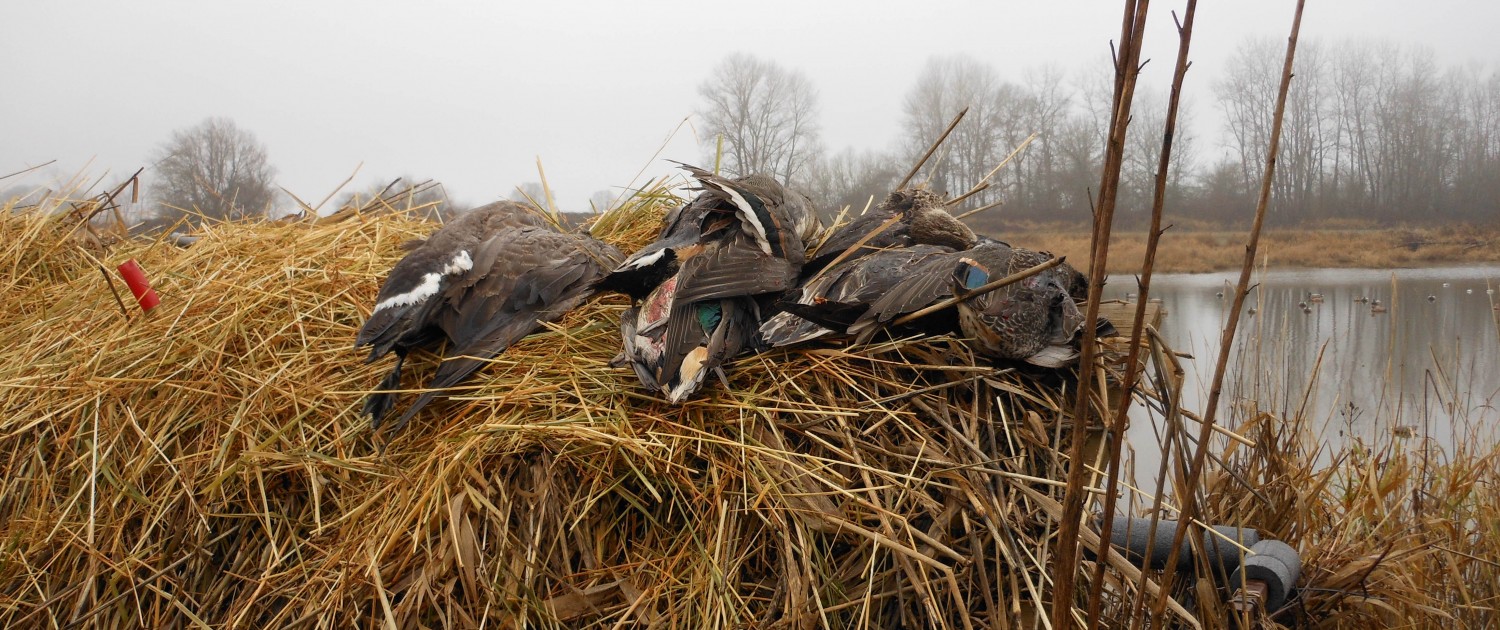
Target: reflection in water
point(1410, 350)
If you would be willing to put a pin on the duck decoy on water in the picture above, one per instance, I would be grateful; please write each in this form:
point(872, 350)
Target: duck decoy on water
point(474, 287)
point(693, 289)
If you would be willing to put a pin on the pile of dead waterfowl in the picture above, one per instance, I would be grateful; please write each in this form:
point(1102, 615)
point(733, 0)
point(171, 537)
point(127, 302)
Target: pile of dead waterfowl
point(208, 463)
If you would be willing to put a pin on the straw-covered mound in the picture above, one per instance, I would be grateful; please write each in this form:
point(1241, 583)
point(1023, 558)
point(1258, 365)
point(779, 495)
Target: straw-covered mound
point(206, 463)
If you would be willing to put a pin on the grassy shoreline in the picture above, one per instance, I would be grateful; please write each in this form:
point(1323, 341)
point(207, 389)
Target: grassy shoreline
point(1201, 251)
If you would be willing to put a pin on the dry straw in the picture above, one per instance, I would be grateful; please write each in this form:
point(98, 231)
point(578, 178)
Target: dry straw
point(205, 464)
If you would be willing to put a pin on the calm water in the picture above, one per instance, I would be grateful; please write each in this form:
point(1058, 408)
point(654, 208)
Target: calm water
point(1428, 366)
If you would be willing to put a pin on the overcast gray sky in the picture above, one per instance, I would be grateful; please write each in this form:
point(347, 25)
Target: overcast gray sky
point(472, 93)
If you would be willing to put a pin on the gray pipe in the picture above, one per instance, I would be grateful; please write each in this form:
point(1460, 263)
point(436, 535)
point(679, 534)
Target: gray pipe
point(1130, 535)
point(1273, 562)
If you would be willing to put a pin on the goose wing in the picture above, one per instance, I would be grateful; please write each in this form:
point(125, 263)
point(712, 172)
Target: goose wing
point(522, 277)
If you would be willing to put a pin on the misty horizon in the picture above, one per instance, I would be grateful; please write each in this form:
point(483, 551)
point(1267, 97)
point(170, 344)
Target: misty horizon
point(593, 108)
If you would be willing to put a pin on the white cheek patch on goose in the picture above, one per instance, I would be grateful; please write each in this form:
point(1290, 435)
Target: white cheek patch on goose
point(430, 283)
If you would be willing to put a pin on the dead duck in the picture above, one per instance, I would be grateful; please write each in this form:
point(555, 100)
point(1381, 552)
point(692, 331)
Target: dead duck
point(1035, 320)
point(858, 297)
point(917, 216)
point(474, 287)
point(870, 256)
point(693, 289)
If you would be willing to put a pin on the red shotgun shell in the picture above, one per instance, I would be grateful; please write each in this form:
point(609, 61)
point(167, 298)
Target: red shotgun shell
point(135, 278)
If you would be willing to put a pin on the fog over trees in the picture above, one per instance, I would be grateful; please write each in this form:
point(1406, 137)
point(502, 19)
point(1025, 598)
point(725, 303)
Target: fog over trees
point(213, 169)
point(1374, 131)
point(766, 115)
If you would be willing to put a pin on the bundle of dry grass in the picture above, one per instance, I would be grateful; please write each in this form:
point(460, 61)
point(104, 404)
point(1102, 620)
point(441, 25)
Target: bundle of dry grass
point(206, 464)
point(1393, 532)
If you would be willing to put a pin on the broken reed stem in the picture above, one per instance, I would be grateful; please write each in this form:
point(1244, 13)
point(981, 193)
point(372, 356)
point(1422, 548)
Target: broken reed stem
point(983, 289)
point(27, 170)
point(931, 150)
point(551, 206)
point(985, 182)
point(1116, 430)
point(341, 186)
point(1127, 69)
point(978, 188)
point(1188, 501)
point(124, 312)
point(980, 209)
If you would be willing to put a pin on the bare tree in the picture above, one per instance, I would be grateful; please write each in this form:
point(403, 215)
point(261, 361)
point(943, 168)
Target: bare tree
point(849, 178)
point(993, 127)
point(601, 200)
point(530, 192)
point(765, 114)
point(1143, 153)
point(214, 169)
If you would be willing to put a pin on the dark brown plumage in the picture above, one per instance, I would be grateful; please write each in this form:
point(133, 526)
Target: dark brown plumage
point(861, 296)
point(1035, 320)
point(480, 284)
point(919, 218)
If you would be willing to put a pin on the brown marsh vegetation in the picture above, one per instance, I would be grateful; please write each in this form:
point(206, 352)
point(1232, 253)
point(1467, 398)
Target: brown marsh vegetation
point(1203, 249)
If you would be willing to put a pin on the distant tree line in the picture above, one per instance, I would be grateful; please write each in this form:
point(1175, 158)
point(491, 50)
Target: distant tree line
point(1373, 131)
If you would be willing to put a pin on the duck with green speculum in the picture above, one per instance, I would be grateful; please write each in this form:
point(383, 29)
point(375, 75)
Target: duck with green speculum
point(696, 291)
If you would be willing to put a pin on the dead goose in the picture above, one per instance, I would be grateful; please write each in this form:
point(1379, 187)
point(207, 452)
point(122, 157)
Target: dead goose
point(476, 286)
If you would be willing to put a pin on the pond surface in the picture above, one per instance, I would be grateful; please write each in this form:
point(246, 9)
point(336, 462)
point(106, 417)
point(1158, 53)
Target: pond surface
point(1424, 363)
